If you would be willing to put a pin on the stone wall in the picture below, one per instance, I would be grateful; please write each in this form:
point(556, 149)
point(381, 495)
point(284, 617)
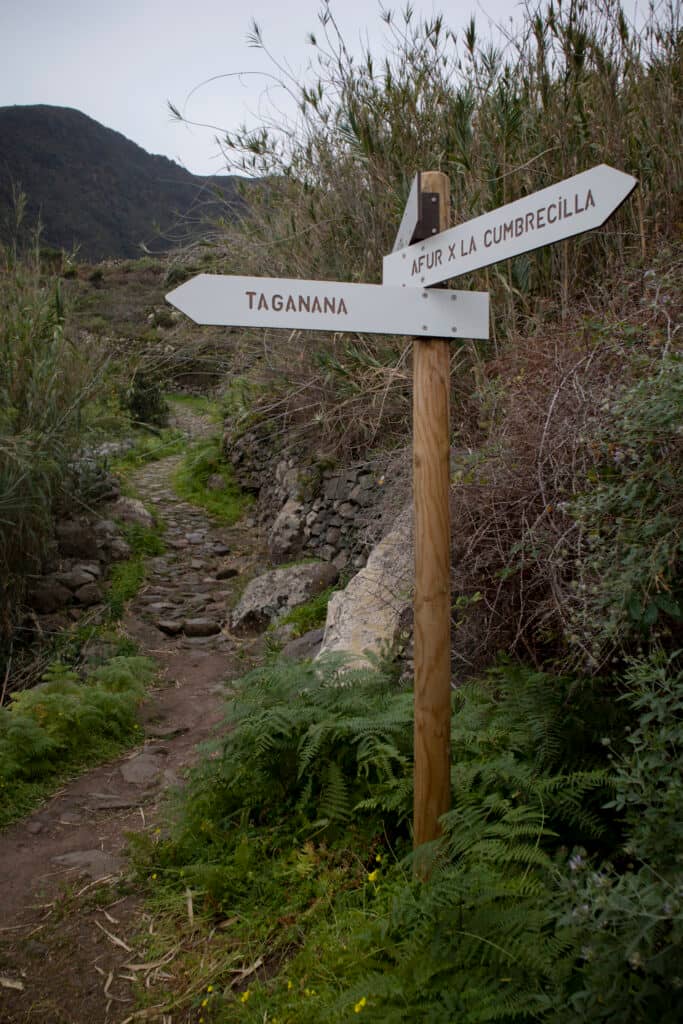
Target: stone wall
point(326, 512)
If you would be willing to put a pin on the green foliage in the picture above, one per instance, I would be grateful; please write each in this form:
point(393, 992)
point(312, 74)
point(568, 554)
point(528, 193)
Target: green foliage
point(529, 734)
point(150, 448)
point(178, 273)
point(309, 615)
point(49, 731)
point(46, 381)
point(237, 401)
point(144, 400)
point(204, 460)
point(144, 540)
point(310, 741)
point(626, 919)
point(477, 941)
point(200, 404)
point(125, 580)
point(315, 750)
point(629, 583)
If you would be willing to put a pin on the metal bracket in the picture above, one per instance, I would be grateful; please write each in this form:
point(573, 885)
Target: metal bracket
point(428, 223)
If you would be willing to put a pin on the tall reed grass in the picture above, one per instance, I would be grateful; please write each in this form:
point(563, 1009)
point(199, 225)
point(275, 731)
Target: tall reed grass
point(46, 378)
point(572, 86)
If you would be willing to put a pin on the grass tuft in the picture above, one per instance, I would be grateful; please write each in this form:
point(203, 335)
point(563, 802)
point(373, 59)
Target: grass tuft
point(65, 724)
point(203, 461)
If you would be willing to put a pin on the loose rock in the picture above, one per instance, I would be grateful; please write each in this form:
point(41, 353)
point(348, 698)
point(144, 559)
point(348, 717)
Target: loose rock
point(269, 596)
point(48, 595)
point(201, 627)
point(75, 578)
point(170, 627)
point(88, 595)
point(131, 510)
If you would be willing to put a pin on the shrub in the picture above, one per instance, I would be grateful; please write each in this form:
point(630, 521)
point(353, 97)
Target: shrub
point(628, 578)
point(309, 742)
point(566, 498)
point(625, 918)
point(144, 399)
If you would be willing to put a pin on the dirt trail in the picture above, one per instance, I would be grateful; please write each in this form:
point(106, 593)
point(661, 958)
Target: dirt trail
point(65, 909)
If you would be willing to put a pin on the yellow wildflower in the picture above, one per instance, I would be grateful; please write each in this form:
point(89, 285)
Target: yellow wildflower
point(245, 995)
point(373, 876)
point(209, 988)
point(359, 1005)
point(290, 985)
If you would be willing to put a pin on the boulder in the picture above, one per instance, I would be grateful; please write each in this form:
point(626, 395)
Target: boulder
point(272, 595)
point(365, 617)
point(286, 533)
point(106, 530)
point(88, 595)
point(75, 578)
point(76, 538)
point(94, 568)
point(171, 627)
point(48, 595)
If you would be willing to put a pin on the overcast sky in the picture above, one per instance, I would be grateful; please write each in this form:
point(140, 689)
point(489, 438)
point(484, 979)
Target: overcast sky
point(121, 61)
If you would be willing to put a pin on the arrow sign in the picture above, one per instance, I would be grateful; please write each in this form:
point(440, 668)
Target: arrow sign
point(569, 208)
point(332, 306)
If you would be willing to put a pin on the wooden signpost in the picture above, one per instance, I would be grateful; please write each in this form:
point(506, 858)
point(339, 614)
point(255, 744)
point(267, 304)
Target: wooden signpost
point(578, 204)
point(426, 252)
point(432, 601)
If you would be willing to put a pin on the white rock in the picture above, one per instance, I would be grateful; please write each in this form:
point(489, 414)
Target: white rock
point(365, 617)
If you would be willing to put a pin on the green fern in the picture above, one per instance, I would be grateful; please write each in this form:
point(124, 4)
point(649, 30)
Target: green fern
point(303, 740)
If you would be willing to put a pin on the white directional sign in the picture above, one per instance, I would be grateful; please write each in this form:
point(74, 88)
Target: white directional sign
point(569, 208)
point(411, 217)
point(332, 306)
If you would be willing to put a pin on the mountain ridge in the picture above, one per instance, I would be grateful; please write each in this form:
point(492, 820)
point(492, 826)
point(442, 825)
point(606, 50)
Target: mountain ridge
point(96, 191)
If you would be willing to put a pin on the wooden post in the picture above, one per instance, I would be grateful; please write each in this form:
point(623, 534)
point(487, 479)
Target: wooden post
point(432, 609)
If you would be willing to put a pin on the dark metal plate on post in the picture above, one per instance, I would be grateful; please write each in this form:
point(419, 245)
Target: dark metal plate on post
point(428, 224)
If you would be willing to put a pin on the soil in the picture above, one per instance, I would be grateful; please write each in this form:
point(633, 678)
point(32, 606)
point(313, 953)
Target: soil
point(70, 916)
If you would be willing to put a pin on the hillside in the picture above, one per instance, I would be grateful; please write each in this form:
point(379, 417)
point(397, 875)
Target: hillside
point(96, 190)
